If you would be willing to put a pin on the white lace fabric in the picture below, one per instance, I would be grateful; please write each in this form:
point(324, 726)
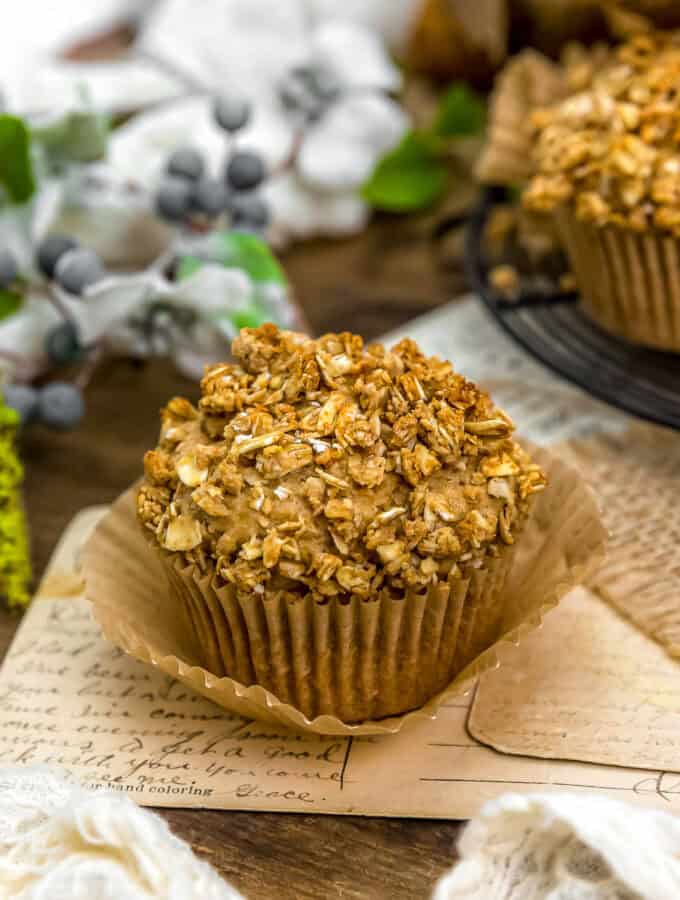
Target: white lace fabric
point(60, 842)
point(566, 847)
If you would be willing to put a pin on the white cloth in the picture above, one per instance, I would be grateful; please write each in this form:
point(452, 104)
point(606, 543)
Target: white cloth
point(566, 847)
point(60, 842)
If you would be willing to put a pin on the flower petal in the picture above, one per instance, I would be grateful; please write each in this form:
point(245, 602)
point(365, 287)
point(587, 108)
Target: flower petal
point(392, 19)
point(301, 212)
point(270, 132)
point(341, 151)
point(26, 330)
point(243, 44)
point(356, 55)
point(108, 303)
point(46, 84)
point(212, 289)
point(204, 346)
point(139, 149)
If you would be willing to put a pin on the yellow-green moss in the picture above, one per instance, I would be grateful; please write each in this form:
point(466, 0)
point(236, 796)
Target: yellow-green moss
point(15, 570)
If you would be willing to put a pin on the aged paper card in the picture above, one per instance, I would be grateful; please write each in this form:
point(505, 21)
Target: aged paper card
point(69, 699)
point(637, 478)
point(586, 686)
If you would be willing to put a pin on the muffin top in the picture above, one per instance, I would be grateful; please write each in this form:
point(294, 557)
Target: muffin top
point(612, 151)
point(322, 466)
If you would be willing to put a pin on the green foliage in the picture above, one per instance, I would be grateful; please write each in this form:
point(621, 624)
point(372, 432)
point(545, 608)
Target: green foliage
point(410, 177)
point(237, 250)
point(415, 174)
point(15, 570)
point(251, 317)
point(240, 250)
point(461, 113)
point(16, 167)
point(80, 136)
point(9, 303)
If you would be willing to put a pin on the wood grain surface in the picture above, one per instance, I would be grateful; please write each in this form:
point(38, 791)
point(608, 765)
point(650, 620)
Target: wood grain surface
point(367, 284)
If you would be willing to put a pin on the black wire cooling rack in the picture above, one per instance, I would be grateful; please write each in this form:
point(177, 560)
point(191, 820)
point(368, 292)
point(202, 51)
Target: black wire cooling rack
point(552, 328)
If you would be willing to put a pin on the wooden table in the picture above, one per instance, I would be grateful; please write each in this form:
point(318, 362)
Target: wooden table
point(367, 284)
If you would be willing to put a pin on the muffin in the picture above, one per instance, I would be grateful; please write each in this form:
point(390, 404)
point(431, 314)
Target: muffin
point(528, 82)
point(337, 521)
point(607, 166)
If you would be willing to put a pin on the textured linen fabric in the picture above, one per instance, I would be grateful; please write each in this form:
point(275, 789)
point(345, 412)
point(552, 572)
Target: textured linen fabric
point(566, 847)
point(61, 842)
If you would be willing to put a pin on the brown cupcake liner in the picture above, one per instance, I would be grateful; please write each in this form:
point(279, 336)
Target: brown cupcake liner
point(363, 659)
point(339, 669)
point(629, 283)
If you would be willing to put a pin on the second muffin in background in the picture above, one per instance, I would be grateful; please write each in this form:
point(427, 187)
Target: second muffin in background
point(337, 521)
point(607, 165)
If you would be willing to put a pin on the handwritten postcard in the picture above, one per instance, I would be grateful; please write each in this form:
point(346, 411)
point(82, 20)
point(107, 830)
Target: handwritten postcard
point(68, 698)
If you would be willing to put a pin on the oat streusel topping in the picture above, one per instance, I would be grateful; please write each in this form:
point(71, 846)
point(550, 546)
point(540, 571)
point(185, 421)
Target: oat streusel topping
point(612, 150)
point(322, 466)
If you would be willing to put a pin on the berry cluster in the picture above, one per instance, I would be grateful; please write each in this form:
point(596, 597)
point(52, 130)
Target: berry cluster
point(64, 272)
point(59, 404)
point(73, 269)
point(188, 192)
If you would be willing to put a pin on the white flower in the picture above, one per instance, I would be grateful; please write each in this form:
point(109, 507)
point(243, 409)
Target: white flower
point(107, 308)
point(392, 19)
point(334, 77)
point(34, 76)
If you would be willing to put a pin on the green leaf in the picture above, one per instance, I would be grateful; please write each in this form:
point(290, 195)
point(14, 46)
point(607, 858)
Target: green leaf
point(9, 303)
point(188, 266)
point(237, 250)
point(408, 178)
point(16, 168)
point(461, 113)
point(79, 136)
point(251, 317)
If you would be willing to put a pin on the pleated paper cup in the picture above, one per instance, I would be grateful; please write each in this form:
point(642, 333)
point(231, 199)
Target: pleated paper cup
point(364, 667)
point(629, 283)
point(529, 81)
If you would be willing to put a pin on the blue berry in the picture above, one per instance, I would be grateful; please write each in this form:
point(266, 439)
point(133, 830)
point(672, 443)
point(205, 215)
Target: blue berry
point(173, 199)
point(231, 112)
point(60, 405)
point(186, 163)
point(8, 268)
point(51, 250)
point(63, 343)
point(245, 170)
point(210, 197)
point(248, 210)
point(23, 399)
point(78, 269)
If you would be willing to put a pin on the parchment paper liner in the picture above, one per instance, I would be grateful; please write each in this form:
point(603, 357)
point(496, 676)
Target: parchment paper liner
point(530, 80)
point(562, 543)
point(629, 283)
